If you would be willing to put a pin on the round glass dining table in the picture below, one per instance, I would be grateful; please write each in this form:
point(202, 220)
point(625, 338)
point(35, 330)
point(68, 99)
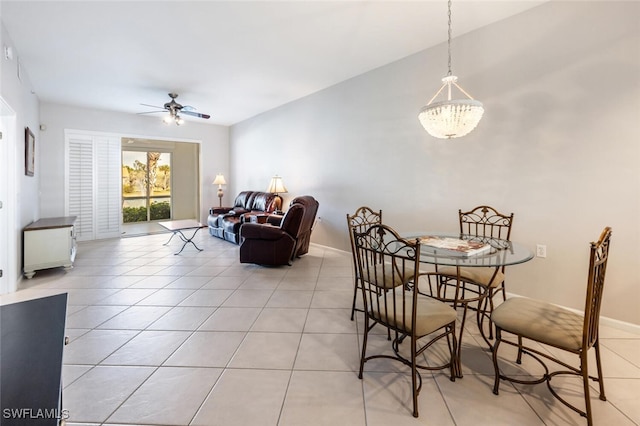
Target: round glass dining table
point(500, 254)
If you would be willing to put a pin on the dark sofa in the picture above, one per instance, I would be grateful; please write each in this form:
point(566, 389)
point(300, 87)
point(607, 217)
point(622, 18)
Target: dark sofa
point(225, 222)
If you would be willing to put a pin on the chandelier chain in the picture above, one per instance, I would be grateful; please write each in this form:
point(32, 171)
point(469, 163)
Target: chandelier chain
point(449, 37)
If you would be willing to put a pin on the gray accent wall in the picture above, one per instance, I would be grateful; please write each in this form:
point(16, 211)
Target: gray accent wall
point(559, 145)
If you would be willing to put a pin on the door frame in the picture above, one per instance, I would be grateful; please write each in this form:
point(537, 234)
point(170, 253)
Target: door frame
point(8, 196)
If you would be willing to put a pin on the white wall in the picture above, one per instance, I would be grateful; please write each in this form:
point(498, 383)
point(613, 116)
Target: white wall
point(214, 148)
point(558, 146)
point(22, 200)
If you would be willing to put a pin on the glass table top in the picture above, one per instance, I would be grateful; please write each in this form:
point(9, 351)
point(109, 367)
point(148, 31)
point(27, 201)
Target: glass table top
point(502, 252)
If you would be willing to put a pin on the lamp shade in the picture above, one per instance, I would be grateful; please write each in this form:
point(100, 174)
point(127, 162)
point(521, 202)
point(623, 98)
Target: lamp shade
point(276, 185)
point(219, 180)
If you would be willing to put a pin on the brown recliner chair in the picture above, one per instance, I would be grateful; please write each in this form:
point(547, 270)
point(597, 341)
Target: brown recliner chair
point(266, 244)
point(310, 210)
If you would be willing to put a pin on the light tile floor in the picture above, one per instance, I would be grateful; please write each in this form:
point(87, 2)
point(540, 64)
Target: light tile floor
point(200, 339)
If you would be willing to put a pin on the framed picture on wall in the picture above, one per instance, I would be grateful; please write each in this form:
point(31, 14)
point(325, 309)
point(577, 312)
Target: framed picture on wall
point(29, 152)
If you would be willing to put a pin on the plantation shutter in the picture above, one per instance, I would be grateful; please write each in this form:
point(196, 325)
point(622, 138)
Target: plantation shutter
point(108, 184)
point(80, 185)
point(93, 184)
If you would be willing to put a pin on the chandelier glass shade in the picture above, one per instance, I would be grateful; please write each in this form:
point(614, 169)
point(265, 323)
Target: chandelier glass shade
point(451, 118)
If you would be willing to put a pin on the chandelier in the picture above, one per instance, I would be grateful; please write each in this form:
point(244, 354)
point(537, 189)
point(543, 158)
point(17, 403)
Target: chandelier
point(451, 118)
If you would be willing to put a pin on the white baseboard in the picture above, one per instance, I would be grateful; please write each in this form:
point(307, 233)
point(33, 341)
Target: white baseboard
point(620, 325)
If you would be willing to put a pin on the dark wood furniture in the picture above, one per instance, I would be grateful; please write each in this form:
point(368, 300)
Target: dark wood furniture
point(31, 347)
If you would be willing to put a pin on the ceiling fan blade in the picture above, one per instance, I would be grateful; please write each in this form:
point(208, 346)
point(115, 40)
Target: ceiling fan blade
point(149, 112)
point(153, 106)
point(195, 114)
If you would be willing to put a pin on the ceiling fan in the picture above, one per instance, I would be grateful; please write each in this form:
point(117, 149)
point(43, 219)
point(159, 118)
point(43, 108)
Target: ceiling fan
point(175, 109)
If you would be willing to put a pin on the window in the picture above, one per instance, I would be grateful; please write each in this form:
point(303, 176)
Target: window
point(146, 186)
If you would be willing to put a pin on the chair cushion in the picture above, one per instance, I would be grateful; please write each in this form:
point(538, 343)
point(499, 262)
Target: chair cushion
point(479, 275)
point(389, 280)
point(231, 224)
point(431, 314)
point(540, 321)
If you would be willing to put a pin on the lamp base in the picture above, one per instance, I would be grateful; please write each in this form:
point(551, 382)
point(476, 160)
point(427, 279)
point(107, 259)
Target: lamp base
point(220, 195)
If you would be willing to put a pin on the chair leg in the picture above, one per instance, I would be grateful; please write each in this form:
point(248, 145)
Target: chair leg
point(414, 376)
point(355, 295)
point(519, 358)
point(599, 366)
point(496, 382)
point(364, 345)
point(482, 312)
point(453, 349)
point(490, 310)
point(585, 384)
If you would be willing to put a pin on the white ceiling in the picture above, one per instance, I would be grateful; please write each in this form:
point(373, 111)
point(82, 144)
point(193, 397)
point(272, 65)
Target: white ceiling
point(230, 59)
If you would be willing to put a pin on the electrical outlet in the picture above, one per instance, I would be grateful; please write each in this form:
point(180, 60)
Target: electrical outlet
point(541, 250)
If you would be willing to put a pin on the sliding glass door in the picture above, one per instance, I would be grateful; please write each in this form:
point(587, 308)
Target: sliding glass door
point(146, 186)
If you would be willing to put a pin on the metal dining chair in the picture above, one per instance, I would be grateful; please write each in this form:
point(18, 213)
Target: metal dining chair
point(542, 322)
point(485, 223)
point(388, 267)
point(360, 221)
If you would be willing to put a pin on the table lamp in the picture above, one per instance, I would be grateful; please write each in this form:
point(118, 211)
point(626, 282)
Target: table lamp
point(277, 186)
point(219, 180)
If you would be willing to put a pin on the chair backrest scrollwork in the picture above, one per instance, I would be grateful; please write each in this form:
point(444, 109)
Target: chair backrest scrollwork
point(359, 222)
point(388, 268)
point(485, 221)
point(599, 255)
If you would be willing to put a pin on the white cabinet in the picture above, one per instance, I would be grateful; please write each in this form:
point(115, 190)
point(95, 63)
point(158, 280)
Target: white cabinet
point(49, 243)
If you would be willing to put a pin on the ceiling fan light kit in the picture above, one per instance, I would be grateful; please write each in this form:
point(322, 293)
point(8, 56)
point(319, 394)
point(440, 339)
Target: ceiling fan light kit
point(174, 110)
point(171, 118)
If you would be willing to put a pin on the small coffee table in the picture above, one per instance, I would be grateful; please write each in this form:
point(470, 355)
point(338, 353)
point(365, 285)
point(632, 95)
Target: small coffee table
point(177, 226)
